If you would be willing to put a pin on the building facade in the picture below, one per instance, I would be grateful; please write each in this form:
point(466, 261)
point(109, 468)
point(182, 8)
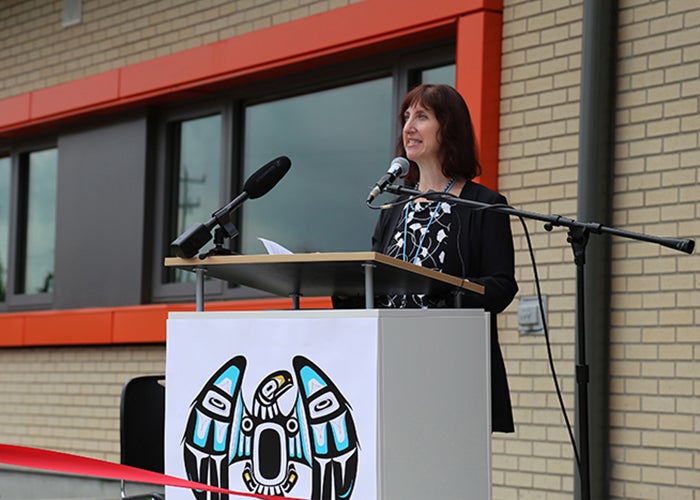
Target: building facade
point(123, 122)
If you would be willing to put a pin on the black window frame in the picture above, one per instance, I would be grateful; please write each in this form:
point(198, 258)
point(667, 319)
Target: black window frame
point(19, 180)
point(167, 120)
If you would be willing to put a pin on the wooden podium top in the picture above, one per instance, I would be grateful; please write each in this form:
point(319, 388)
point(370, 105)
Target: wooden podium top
point(325, 274)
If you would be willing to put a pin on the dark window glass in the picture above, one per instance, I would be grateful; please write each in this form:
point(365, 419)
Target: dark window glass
point(38, 223)
point(340, 142)
point(4, 223)
point(440, 74)
point(196, 176)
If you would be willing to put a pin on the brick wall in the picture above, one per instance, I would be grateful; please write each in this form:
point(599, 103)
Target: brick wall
point(67, 398)
point(39, 52)
point(655, 351)
point(655, 383)
point(538, 170)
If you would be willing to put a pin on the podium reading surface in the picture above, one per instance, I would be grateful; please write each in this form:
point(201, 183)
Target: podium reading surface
point(326, 274)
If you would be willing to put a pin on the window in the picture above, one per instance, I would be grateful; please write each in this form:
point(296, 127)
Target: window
point(4, 223)
point(339, 140)
point(28, 181)
point(440, 74)
point(195, 176)
point(72, 12)
point(337, 125)
point(37, 222)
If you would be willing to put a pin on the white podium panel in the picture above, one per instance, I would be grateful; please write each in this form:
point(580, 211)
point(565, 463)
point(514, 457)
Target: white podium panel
point(361, 404)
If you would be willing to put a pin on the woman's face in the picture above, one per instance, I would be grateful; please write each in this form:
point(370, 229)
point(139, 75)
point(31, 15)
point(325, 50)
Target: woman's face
point(420, 135)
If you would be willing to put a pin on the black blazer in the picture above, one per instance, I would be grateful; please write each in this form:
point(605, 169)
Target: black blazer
point(482, 251)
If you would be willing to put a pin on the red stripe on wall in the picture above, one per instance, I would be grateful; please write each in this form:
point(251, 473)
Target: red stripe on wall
point(15, 112)
point(75, 97)
point(118, 325)
point(479, 81)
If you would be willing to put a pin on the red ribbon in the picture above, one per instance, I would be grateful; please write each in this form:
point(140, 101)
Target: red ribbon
point(36, 458)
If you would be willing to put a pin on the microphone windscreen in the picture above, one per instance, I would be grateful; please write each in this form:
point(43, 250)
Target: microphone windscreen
point(400, 165)
point(266, 177)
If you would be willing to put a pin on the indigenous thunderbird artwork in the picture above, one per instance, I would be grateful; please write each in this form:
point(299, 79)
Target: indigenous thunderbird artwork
point(318, 432)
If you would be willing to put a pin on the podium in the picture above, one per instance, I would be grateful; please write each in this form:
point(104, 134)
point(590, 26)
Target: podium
point(324, 274)
point(362, 404)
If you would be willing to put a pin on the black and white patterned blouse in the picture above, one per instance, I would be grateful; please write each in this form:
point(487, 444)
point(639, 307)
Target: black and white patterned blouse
point(420, 237)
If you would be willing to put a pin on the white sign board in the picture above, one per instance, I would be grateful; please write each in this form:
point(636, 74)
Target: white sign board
point(272, 403)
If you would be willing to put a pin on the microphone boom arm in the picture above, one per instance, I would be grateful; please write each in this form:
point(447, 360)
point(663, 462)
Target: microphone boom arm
point(682, 245)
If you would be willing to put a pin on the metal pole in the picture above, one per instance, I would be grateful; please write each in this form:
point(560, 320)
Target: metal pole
point(199, 289)
point(595, 181)
point(369, 285)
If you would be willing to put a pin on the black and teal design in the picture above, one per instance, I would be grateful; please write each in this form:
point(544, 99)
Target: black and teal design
point(318, 432)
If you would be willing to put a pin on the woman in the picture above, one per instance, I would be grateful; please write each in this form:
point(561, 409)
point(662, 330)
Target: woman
point(438, 139)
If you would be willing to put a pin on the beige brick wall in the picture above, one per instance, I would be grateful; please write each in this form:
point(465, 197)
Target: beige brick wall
point(655, 371)
point(538, 169)
point(39, 52)
point(67, 398)
point(655, 382)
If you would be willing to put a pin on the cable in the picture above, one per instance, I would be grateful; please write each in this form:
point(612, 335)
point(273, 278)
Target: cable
point(549, 347)
point(427, 195)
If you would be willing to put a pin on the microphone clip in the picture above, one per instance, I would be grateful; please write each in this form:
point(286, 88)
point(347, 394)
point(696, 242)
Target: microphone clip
point(219, 248)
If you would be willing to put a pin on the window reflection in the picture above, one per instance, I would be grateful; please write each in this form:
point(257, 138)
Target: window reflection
point(440, 74)
point(39, 222)
point(196, 176)
point(4, 223)
point(340, 142)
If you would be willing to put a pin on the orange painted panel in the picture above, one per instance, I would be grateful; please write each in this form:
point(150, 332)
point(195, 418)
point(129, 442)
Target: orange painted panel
point(11, 330)
point(478, 80)
point(75, 327)
point(72, 97)
point(119, 325)
point(145, 324)
point(14, 110)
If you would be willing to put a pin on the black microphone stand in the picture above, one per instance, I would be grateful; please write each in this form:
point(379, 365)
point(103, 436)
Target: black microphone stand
point(218, 248)
point(578, 235)
point(226, 229)
point(187, 244)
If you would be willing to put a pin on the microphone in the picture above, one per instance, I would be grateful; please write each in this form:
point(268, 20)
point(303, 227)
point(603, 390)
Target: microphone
point(259, 184)
point(266, 177)
point(399, 167)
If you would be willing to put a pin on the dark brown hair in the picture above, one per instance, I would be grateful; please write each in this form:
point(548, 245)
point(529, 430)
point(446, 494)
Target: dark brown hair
point(456, 135)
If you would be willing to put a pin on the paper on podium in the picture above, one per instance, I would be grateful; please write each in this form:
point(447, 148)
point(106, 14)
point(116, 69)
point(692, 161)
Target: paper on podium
point(274, 248)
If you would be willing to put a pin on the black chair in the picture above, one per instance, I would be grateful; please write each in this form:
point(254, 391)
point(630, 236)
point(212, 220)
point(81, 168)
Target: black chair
point(142, 428)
